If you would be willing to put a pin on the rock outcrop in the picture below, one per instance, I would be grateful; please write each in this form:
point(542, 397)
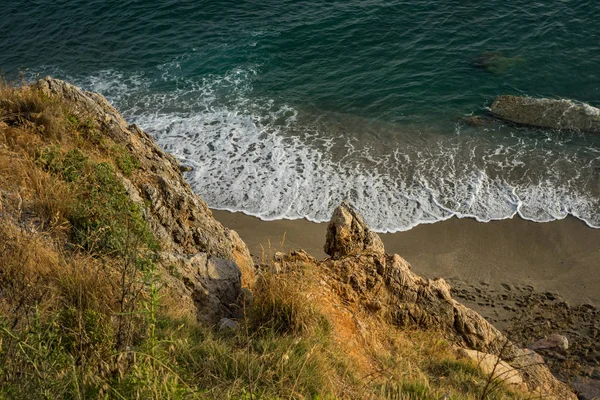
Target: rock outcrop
point(547, 113)
point(207, 263)
point(348, 233)
point(367, 279)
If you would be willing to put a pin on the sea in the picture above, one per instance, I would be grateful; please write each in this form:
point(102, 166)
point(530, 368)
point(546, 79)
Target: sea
point(284, 108)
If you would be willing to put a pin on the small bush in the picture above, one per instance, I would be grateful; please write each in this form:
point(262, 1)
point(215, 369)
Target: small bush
point(125, 161)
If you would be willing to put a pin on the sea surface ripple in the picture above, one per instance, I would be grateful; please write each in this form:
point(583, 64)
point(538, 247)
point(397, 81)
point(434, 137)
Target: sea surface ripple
point(286, 108)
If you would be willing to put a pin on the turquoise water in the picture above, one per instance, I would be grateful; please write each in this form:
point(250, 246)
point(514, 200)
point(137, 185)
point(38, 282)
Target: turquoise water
point(286, 108)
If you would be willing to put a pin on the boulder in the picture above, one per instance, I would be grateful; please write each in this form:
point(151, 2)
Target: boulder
point(494, 367)
point(587, 389)
point(227, 324)
point(547, 113)
point(554, 341)
point(347, 234)
point(367, 279)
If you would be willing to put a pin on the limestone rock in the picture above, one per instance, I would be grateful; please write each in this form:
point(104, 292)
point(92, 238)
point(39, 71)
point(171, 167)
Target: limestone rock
point(203, 259)
point(494, 367)
point(348, 234)
point(547, 113)
point(554, 341)
point(378, 283)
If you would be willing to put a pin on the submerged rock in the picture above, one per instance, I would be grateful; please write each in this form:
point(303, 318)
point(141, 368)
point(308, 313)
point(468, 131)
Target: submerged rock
point(496, 62)
point(547, 113)
point(475, 120)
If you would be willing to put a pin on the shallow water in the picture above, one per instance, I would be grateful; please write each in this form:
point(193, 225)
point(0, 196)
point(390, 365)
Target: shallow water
point(286, 108)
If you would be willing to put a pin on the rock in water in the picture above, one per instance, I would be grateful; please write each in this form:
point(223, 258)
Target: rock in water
point(348, 234)
point(496, 62)
point(547, 113)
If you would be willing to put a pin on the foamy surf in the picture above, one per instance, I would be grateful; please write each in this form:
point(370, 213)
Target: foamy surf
point(274, 161)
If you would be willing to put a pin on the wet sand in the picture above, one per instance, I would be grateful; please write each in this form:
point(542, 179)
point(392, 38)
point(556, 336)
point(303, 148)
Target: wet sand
point(561, 257)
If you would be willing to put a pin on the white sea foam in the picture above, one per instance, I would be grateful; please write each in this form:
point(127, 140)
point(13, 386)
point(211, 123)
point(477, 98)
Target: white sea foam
point(274, 161)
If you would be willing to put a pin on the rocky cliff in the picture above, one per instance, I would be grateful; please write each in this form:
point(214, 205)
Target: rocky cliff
point(370, 282)
point(211, 262)
point(206, 266)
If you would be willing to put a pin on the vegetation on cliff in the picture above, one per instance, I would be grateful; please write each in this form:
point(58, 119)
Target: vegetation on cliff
point(95, 283)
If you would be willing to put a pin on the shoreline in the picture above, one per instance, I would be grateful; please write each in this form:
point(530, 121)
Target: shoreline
point(560, 256)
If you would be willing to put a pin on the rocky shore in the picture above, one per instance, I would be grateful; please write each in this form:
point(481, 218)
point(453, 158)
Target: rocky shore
point(527, 316)
point(367, 297)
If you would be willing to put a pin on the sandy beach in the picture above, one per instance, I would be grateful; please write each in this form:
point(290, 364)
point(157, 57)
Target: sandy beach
point(561, 257)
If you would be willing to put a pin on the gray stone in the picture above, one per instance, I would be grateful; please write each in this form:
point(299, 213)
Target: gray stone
point(221, 269)
point(554, 341)
point(587, 389)
point(226, 323)
point(547, 113)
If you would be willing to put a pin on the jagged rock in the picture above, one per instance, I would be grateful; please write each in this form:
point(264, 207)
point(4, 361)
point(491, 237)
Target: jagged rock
point(547, 113)
point(495, 368)
point(203, 258)
point(280, 260)
point(554, 341)
point(348, 233)
point(383, 284)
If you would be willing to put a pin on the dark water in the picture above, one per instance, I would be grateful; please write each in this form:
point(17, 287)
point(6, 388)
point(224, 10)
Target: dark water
point(285, 108)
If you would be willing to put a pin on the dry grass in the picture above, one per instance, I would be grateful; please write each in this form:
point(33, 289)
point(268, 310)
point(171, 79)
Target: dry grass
point(285, 305)
point(82, 316)
point(61, 292)
point(26, 107)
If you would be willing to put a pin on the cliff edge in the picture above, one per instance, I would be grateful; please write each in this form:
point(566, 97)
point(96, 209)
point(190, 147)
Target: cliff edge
point(117, 282)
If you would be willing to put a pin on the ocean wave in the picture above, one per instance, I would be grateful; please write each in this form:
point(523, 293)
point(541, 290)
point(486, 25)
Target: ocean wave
point(272, 160)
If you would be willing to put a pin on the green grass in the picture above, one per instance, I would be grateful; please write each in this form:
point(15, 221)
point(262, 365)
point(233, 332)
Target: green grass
point(81, 294)
point(102, 215)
